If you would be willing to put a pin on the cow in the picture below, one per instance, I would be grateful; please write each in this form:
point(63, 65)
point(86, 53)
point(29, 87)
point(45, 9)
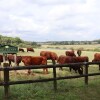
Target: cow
point(49, 55)
point(1, 58)
point(30, 49)
point(78, 60)
point(63, 60)
point(70, 53)
point(96, 58)
point(68, 59)
point(35, 60)
point(79, 52)
point(20, 49)
point(11, 58)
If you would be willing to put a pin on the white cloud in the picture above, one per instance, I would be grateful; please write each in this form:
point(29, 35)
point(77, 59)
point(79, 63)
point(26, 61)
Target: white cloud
point(42, 20)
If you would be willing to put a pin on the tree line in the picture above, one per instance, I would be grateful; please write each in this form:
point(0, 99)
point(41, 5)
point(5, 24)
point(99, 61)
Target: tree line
point(17, 42)
point(73, 42)
point(21, 43)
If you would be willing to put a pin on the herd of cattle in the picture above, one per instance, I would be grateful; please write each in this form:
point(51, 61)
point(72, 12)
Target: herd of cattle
point(69, 57)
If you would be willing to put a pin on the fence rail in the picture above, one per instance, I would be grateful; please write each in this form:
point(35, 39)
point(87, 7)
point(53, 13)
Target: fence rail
point(6, 69)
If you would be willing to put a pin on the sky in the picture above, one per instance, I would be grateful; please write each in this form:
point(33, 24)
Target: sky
point(50, 20)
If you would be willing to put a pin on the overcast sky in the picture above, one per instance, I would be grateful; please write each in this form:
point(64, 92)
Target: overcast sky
point(50, 20)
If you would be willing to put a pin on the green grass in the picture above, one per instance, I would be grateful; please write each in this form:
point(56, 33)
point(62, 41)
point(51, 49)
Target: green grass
point(74, 89)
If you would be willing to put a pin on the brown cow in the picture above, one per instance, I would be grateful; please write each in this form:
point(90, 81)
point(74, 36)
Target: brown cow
point(37, 60)
point(70, 53)
point(49, 55)
point(79, 59)
point(1, 58)
point(20, 49)
point(96, 58)
point(63, 60)
point(11, 59)
point(30, 49)
point(68, 59)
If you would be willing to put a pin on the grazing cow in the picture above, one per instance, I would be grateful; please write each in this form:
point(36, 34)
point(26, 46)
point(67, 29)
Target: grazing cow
point(68, 59)
point(37, 60)
point(70, 53)
point(96, 58)
point(12, 59)
point(79, 59)
point(30, 49)
point(79, 52)
point(49, 55)
point(20, 49)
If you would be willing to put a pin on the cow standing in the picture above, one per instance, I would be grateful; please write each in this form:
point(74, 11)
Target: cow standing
point(12, 59)
point(49, 55)
point(68, 59)
point(70, 53)
point(96, 58)
point(35, 60)
point(78, 60)
point(30, 49)
point(20, 49)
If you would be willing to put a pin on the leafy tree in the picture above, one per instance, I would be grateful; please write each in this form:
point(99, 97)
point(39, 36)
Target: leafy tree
point(18, 40)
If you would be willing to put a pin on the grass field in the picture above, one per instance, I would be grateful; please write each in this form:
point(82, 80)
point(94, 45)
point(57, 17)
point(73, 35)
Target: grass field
point(84, 47)
point(71, 89)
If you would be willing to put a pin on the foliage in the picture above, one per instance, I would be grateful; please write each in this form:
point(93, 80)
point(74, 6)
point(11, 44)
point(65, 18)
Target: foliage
point(17, 42)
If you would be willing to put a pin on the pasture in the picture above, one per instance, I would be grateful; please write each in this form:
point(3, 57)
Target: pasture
point(71, 89)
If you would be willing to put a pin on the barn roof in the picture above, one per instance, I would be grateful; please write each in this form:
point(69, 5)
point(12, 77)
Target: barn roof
point(8, 49)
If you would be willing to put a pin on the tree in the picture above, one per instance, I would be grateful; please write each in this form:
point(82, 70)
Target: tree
point(18, 40)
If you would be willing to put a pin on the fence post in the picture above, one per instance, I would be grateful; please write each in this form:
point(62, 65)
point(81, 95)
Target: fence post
point(6, 80)
point(54, 76)
point(86, 72)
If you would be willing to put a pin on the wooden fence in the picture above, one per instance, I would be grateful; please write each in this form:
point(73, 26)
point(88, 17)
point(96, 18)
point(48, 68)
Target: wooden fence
point(6, 69)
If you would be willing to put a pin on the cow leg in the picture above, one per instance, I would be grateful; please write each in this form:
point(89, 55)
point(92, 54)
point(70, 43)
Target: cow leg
point(75, 71)
point(80, 71)
point(10, 63)
point(29, 72)
point(45, 70)
point(81, 68)
point(99, 66)
point(70, 68)
point(60, 68)
point(74, 68)
point(53, 62)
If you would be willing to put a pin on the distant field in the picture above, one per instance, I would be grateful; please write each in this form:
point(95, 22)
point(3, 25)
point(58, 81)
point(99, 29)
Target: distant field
point(85, 47)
